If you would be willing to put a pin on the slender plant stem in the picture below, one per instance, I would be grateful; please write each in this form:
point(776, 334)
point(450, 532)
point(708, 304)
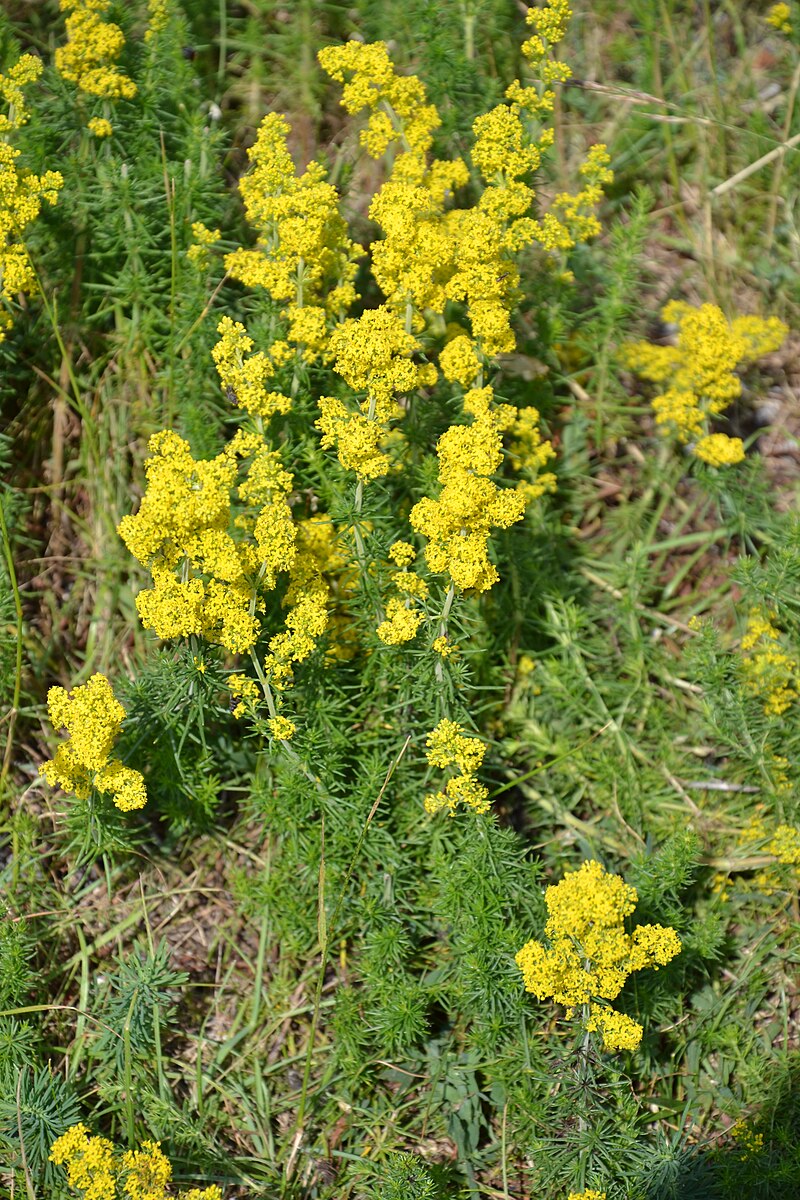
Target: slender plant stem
point(12, 575)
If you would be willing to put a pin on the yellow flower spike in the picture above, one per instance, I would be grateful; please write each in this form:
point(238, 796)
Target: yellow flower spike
point(89, 1162)
point(402, 553)
point(92, 717)
point(370, 81)
point(158, 13)
point(100, 127)
point(185, 524)
point(769, 671)
point(588, 1194)
point(93, 45)
point(244, 375)
point(448, 746)
point(146, 1171)
point(700, 371)
point(457, 525)
point(459, 362)
point(590, 955)
point(401, 624)
point(198, 253)
point(101, 1172)
point(22, 192)
point(303, 254)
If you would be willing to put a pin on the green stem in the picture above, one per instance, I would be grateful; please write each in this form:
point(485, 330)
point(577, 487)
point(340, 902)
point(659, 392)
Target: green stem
point(287, 746)
point(448, 604)
point(12, 574)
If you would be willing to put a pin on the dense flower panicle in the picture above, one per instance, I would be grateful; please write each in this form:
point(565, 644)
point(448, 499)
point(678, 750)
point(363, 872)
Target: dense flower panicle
point(459, 361)
point(769, 670)
point(244, 375)
point(700, 373)
point(432, 254)
point(457, 524)
point(97, 1169)
point(778, 17)
point(590, 955)
point(281, 728)
point(373, 354)
point(158, 13)
point(398, 105)
point(307, 601)
point(89, 1161)
point(588, 1194)
point(184, 523)
point(92, 717)
point(245, 692)
point(357, 439)
point(100, 127)
point(785, 845)
point(748, 1142)
point(403, 612)
point(21, 192)
point(304, 256)
point(146, 1172)
point(89, 58)
point(448, 746)
point(530, 453)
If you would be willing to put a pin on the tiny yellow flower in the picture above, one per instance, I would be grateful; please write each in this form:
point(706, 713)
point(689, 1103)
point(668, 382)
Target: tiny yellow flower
point(281, 728)
point(778, 16)
point(100, 127)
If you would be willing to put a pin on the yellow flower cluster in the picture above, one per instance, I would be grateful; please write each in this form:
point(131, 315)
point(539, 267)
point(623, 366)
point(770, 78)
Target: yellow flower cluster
point(778, 16)
point(183, 524)
point(432, 255)
point(785, 845)
point(699, 372)
point(448, 746)
point(244, 375)
point(98, 1170)
point(458, 523)
point(92, 717)
point(281, 728)
point(782, 842)
point(100, 127)
point(747, 1140)
point(403, 614)
point(590, 955)
point(89, 59)
point(398, 107)
point(21, 191)
point(373, 354)
point(306, 600)
point(303, 255)
point(429, 256)
point(577, 212)
point(204, 238)
point(529, 453)
point(89, 1161)
point(769, 671)
point(245, 691)
point(589, 1194)
point(158, 12)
